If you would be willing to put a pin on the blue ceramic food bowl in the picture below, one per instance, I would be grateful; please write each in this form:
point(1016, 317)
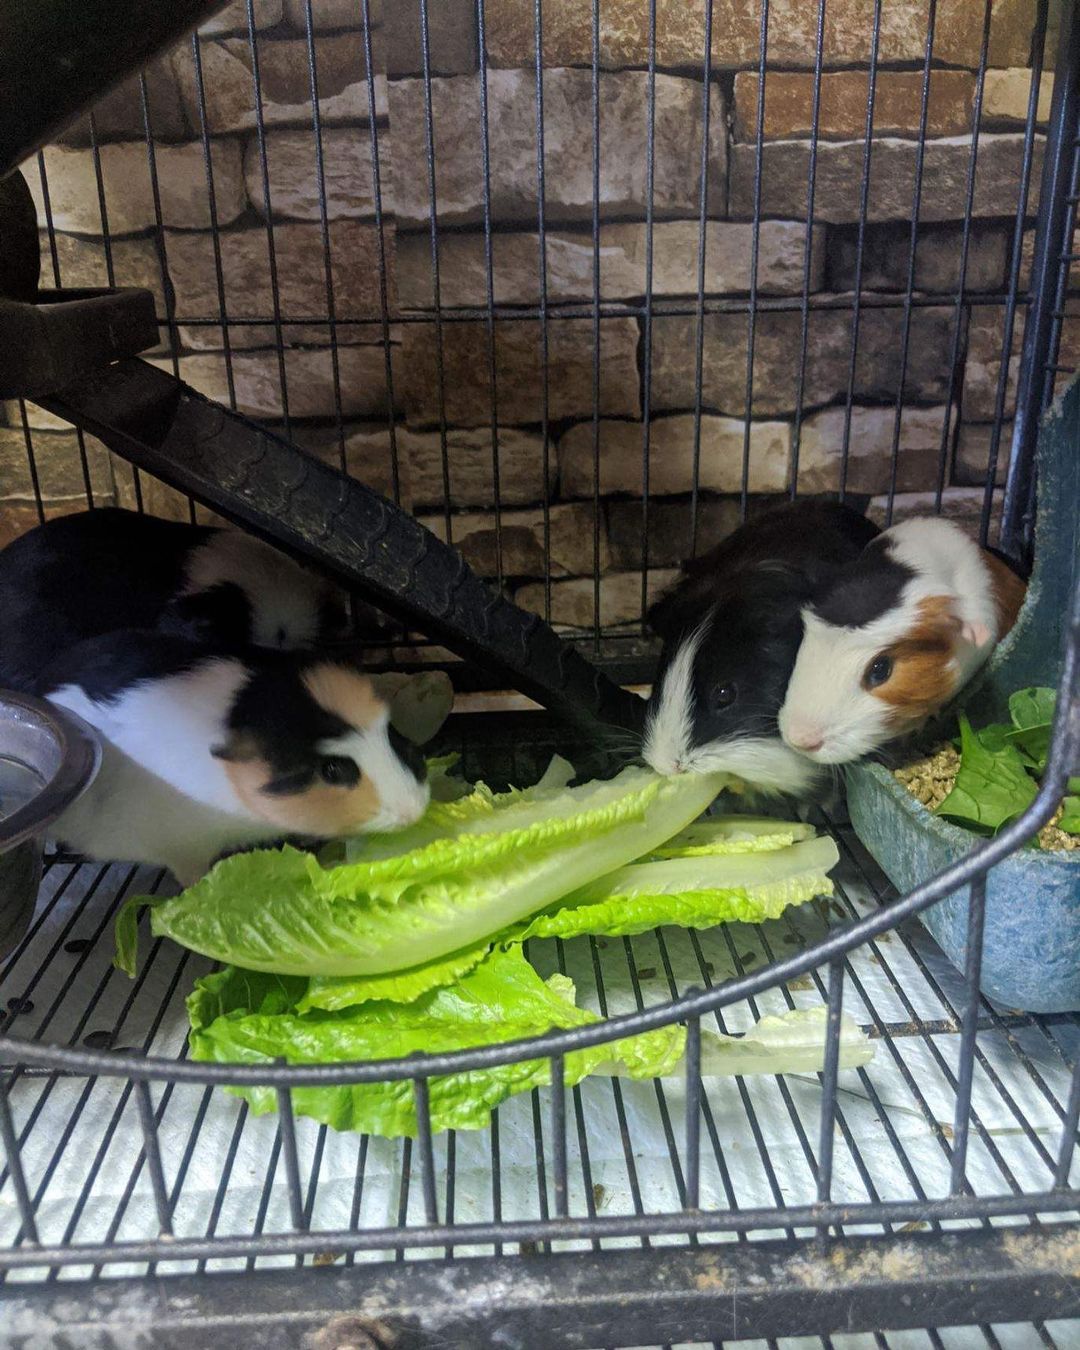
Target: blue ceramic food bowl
point(1031, 953)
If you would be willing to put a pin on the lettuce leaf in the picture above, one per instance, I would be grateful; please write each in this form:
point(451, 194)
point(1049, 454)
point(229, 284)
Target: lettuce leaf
point(733, 834)
point(252, 1018)
point(992, 785)
point(697, 891)
point(1032, 713)
point(693, 892)
point(238, 1017)
point(469, 869)
point(1070, 817)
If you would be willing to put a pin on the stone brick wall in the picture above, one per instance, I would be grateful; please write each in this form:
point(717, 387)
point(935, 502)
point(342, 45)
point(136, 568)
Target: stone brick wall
point(415, 390)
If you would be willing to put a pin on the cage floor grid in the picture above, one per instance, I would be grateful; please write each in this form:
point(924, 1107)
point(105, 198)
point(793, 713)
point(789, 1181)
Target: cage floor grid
point(224, 1169)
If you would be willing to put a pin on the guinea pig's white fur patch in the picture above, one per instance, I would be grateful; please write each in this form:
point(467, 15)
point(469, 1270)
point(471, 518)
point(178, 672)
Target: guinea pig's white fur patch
point(763, 761)
point(285, 598)
point(940, 632)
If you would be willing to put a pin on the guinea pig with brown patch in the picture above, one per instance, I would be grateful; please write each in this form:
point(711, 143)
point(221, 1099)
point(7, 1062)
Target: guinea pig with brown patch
point(206, 753)
point(100, 571)
point(731, 627)
point(893, 636)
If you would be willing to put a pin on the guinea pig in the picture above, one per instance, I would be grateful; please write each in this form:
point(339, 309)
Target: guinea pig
point(731, 627)
point(98, 571)
point(893, 636)
point(208, 752)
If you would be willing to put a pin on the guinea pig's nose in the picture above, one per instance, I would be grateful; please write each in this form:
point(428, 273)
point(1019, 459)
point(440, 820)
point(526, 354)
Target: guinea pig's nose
point(808, 739)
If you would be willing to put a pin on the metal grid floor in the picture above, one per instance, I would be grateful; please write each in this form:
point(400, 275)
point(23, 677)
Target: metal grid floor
point(224, 1167)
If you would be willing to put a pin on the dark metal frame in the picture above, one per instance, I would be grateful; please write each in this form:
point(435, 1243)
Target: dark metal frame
point(695, 1291)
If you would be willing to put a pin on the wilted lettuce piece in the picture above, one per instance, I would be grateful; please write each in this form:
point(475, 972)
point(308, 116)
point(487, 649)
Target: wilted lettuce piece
point(238, 1017)
point(693, 892)
point(733, 834)
point(992, 785)
point(473, 868)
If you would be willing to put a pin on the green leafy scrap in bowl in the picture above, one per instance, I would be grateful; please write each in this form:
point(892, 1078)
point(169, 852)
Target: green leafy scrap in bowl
point(993, 775)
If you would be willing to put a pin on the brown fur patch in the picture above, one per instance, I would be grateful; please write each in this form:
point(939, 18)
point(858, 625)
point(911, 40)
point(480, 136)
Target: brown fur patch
point(345, 693)
point(1007, 589)
point(922, 678)
point(321, 809)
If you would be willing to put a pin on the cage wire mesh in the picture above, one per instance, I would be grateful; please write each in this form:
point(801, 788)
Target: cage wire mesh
point(582, 287)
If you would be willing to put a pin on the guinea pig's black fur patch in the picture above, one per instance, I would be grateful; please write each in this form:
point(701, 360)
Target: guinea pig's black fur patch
point(107, 665)
point(277, 711)
point(864, 590)
point(746, 653)
point(812, 537)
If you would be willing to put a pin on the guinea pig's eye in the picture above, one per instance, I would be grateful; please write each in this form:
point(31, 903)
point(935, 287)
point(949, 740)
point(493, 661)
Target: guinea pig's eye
point(724, 695)
point(339, 771)
point(877, 672)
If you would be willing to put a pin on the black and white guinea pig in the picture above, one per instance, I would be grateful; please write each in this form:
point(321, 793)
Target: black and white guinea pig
point(98, 571)
point(893, 636)
point(731, 627)
point(205, 753)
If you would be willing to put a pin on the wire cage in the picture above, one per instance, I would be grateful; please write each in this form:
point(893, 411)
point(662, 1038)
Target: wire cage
point(933, 1189)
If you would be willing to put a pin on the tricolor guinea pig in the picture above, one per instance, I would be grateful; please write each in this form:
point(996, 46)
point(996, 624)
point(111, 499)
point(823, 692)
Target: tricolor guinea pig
point(731, 627)
point(893, 636)
point(98, 571)
point(205, 753)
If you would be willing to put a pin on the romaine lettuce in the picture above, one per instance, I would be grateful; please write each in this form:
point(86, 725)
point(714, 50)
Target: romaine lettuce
point(698, 891)
point(251, 1018)
point(472, 868)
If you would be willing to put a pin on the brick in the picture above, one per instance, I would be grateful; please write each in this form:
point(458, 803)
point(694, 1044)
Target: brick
point(671, 456)
point(569, 263)
point(972, 459)
point(519, 371)
point(568, 121)
point(962, 504)
point(838, 185)
point(870, 445)
point(233, 18)
point(453, 47)
point(82, 263)
point(1006, 94)
point(420, 463)
point(119, 115)
point(573, 604)
point(309, 378)
point(789, 104)
point(938, 250)
point(570, 528)
point(155, 497)
point(777, 355)
point(294, 183)
point(129, 196)
point(57, 463)
point(982, 367)
point(670, 528)
point(331, 14)
point(736, 32)
point(284, 82)
point(302, 284)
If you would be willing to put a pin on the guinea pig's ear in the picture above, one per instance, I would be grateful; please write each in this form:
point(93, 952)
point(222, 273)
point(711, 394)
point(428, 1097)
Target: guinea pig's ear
point(239, 747)
point(976, 633)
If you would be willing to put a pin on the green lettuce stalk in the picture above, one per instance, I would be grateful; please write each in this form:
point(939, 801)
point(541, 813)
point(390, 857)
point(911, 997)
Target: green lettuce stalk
point(473, 868)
